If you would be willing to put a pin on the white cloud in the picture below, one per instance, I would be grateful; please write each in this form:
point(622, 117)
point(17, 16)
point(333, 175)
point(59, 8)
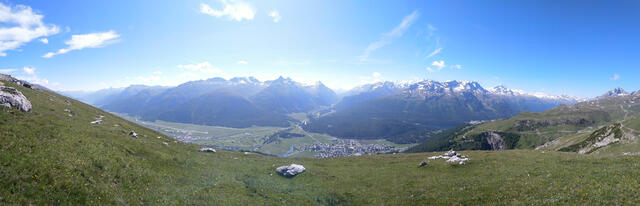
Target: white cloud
point(242, 62)
point(233, 10)
point(30, 76)
point(434, 52)
point(204, 67)
point(437, 66)
point(29, 70)
point(388, 37)
point(6, 71)
point(44, 40)
point(615, 77)
point(376, 75)
point(92, 40)
point(275, 15)
point(23, 26)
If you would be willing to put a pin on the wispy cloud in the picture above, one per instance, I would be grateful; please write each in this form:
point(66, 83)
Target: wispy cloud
point(434, 52)
point(233, 10)
point(44, 40)
point(275, 15)
point(388, 37)
point(92, 40)
point(23, 26)
point(242, 62)
point(204, 67)
point(6, 71)
point(615, 77)
point(29, 70)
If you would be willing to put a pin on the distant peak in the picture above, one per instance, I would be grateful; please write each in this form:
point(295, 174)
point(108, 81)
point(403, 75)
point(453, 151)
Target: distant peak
point(615, 93)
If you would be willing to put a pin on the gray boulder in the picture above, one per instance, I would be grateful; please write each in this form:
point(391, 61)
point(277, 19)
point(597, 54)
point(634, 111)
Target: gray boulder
point(133, 134)
point(291, 170)
point(12, 98)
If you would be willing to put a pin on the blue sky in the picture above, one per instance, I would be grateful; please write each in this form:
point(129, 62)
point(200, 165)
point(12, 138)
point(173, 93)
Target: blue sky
point(580, 48)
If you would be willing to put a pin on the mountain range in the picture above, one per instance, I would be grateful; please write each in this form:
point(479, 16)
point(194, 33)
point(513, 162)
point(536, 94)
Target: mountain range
point(409, 112)
point(237, 102)
point(404, 112)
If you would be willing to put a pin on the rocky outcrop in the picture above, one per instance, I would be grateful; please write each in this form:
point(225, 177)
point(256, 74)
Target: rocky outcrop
point(598, 139)
point(291, 170)
point(12, 98)
point(495, 140)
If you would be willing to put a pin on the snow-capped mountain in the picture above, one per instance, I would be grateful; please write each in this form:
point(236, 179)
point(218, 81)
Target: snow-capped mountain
point(399, 112)
point(614, 93)
point(427, 88)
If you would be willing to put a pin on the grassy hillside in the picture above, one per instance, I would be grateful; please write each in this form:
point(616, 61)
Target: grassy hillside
point(49, 157)
point(564, 128)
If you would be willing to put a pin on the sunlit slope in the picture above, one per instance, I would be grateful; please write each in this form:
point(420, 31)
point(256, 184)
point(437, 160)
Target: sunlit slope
point(557, 129)
point(48, 157)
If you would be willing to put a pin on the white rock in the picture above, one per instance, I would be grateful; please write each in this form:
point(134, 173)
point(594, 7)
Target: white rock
point(11, 97)
point(291, 170)
point(436, 157)
point(458, 160)
point(450, 153)
point(206, 149)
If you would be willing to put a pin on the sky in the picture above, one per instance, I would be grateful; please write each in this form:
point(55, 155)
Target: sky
point(581, 48)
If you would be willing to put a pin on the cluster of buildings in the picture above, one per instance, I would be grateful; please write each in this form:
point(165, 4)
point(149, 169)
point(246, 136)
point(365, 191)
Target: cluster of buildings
point(346, 147)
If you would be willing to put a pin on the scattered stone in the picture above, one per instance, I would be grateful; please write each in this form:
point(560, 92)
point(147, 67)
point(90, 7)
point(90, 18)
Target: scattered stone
point(422, 164)
point(27, 85)
point(207, 149)
point(452, 157)
point(67, 102)
point(247, 153)
point(165, 144)
point(98, 120)
point(11, 97)
point(291, 170)
point(133, 134)
point(458, 160)
point(451, 153)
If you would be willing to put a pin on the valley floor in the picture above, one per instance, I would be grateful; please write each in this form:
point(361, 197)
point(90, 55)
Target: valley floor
point(265, 140)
